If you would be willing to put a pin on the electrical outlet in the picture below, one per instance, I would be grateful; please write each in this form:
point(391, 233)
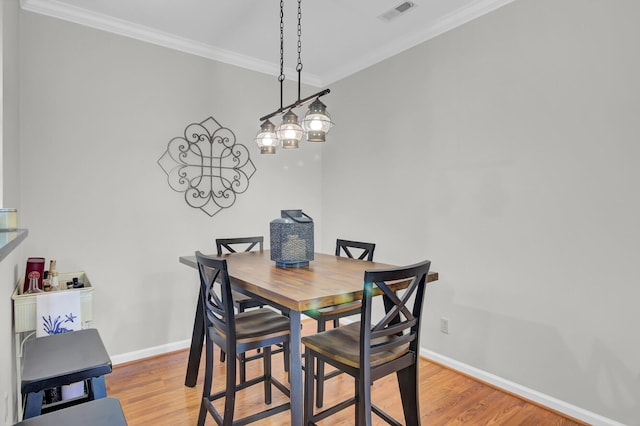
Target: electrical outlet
point(444, 325)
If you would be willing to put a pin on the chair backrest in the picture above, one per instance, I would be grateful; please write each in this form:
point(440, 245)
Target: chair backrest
point(249, 242)
point(399, 329)
point(346, 245)
point(215, 289)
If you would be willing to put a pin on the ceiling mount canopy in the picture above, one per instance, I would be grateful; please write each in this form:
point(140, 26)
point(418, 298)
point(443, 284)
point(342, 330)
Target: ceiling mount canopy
point(317, 121)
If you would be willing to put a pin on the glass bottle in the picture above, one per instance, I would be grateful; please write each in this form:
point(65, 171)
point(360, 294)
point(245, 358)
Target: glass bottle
point(55, 286)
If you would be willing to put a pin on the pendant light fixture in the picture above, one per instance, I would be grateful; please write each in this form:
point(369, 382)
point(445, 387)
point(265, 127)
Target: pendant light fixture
point(289, 131)
point(317, 121)
point(267, 139)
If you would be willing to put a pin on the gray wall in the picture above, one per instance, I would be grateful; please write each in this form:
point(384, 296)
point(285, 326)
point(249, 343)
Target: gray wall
point(9, 266)
point(97, 112)
point(502, 150)
point(10, 105)
point(506, 151)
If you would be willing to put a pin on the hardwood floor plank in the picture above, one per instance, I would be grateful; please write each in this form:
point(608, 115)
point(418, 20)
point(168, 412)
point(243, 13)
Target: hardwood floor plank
point(152, 391)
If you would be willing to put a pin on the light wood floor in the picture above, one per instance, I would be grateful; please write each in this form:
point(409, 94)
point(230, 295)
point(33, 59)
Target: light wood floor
point(152, 392)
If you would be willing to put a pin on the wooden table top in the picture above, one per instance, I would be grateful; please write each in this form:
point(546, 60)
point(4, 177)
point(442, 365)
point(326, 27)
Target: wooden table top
point(328, 280)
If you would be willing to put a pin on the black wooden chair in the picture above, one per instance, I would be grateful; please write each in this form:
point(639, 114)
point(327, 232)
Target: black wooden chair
point(368, 352)
point(361, 251)
point(242, 302)
point(235, 333)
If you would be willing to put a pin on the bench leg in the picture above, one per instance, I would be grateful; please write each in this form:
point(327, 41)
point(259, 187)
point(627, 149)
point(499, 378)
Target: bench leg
point(33, 406)
point(98, 389)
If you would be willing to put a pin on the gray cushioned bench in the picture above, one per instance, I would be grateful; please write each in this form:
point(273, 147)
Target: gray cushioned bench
point(101, 412)
point(63, 359)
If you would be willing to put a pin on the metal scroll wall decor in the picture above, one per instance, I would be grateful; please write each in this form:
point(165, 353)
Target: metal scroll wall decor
point(208, 166)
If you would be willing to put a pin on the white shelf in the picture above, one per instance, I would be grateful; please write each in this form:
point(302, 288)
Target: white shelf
point(24, 305)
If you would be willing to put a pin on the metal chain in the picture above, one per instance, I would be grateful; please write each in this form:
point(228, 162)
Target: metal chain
point(281, 76)
point(299, 66)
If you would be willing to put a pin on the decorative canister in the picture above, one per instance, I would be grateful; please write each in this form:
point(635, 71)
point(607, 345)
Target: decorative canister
point(8, 219)
point(35, 270)
point(292, 239)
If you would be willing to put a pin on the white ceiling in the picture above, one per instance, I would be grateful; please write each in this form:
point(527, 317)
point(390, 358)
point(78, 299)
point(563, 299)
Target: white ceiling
point(339, 37)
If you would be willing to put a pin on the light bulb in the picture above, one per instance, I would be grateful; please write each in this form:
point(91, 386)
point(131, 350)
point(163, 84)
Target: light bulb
point(315, 124)
point(269, 141)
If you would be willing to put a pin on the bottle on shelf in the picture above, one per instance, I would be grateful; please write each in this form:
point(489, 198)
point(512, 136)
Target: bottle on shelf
point(53, 276)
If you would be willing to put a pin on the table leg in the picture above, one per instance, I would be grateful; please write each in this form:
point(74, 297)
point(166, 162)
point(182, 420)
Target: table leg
point(196, 345)
point(295, 369)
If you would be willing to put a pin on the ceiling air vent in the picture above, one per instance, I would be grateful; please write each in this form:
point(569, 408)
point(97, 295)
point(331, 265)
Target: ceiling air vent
point(401, 9)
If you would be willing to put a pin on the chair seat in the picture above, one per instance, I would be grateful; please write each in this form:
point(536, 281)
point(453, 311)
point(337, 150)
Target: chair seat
point(343, 345)
point(259, 324)
point(244, 302)
point(240, 298)
point(336, 311)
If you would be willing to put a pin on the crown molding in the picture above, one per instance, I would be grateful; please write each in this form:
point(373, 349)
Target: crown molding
point(440, 26)
point(77, 15)
point(56, 9)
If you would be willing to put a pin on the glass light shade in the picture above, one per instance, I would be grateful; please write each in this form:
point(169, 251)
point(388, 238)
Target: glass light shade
point(317, 122)
point(289, 131)
point(267, 139)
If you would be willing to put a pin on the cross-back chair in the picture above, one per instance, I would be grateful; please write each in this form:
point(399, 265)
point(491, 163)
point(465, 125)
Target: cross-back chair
point(230, 245)
point(366, 249)
point(354, 250)
point(368, 350)
point(241, 301)
point(235, 333)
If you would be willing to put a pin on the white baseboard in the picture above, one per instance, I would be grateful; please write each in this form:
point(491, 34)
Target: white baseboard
point(149, 352)
point(522, 391)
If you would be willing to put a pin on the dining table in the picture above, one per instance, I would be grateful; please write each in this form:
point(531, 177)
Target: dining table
point(328, 280)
